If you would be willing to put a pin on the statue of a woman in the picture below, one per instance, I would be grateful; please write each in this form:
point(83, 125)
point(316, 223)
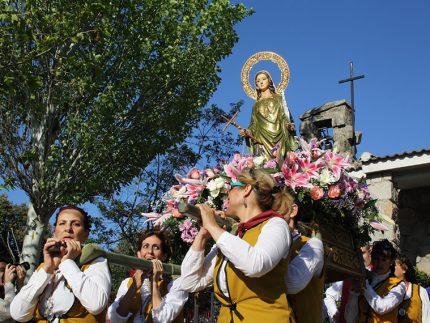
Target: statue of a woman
point(271, 131)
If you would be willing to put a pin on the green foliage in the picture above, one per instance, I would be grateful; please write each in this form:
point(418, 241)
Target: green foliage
point(12, 219)
point(119, 273)
point(422, 278)
point(91, 92)
point(122, 218)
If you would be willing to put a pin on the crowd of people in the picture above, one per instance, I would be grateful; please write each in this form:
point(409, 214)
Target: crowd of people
point(267, 272)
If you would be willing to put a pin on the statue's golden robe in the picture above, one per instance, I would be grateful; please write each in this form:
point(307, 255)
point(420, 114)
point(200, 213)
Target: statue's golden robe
point(268, 126)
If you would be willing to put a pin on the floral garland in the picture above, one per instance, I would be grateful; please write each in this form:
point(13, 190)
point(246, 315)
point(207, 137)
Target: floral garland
point(325, 190)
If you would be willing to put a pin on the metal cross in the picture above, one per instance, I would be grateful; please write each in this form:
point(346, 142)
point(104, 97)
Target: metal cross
point(351, 79)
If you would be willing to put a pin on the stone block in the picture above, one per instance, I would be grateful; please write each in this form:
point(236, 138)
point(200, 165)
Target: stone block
point(371, 180)
point(382, 190)
point(388, 208)
point(423, 261)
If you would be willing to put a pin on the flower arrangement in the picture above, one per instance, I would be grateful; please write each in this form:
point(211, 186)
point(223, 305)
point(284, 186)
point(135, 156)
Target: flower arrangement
point(324, 189)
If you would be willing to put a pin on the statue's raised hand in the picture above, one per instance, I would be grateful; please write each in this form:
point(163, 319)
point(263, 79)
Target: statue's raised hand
point(244, 132)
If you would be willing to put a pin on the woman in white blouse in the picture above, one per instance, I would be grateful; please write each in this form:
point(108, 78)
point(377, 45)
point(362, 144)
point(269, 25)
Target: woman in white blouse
point(148, 296)
point(247, 270)
point(415, 305)
point(382, 294)
point(59, 289)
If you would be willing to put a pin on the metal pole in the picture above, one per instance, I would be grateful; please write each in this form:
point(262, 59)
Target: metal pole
point(212, 318)
point(196, 309)
point(351, 73)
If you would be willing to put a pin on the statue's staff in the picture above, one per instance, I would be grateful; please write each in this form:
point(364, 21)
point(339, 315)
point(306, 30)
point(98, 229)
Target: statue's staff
point(234, 123)
point(92, 251)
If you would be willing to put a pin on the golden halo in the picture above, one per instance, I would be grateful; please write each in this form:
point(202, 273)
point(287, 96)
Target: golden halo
point(264, 56)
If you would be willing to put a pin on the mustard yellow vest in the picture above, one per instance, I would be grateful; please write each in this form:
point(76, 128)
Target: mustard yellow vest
point(251, 299)
point(367, 315)
point(412, 307)
point(307, 304)
point(136, 303)
point(77, 313)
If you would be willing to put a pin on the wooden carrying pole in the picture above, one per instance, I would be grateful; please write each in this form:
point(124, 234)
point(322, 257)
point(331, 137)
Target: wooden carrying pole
point(92, 251)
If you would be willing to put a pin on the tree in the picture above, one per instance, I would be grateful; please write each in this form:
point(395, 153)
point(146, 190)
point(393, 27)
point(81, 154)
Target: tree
point(92, 91)
point(122, 220)
point(12, 219)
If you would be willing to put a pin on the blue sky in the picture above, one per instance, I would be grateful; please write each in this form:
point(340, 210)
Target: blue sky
point(388, 41)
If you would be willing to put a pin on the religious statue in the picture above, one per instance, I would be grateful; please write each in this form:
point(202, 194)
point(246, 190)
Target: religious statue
point(271, 132)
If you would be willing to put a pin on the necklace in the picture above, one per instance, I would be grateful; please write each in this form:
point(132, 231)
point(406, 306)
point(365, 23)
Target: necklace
point(49, 305)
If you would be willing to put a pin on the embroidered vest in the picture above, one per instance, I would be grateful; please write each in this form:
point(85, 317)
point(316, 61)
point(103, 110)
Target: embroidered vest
point(367, 315)
point(412, 308)
point(253, 299)
point(307, 304)
point(136, 303)
point(77, 313)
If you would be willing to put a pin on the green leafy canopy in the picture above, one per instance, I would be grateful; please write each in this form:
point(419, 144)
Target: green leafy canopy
point(92, 91)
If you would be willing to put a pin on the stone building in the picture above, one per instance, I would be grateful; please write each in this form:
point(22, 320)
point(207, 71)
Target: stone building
point(334, 121)
point(400, 182)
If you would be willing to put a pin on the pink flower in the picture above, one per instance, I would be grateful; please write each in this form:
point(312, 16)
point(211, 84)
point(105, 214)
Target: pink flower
point(333, 191)
point(176, 214)
point(194, 173)
point(378, 226)
point(314, 143)
point(210, 173)
point(225, 204)
point(186, 225)
point(236, 157)
point(293, 178)
point(316, 153)
point(316, 193)
point(291, 157)
point(188, 231)
point(231, 171)
point(192, 192)
point(336, 163)
point(170, 204)
point(308, 168)
point(271, 163)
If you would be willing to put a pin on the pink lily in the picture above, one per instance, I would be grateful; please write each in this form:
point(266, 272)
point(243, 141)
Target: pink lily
point(308, 168)
point(314, 143)
point(336, 163)
point(231, 171)
point(293, 178)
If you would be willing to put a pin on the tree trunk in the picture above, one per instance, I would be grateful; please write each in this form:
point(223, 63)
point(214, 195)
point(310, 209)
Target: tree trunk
point(32, 244)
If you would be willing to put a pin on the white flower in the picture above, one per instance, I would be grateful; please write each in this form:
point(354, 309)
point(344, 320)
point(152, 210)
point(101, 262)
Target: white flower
point(215, 186)
point(326, 177)
point(259, 161)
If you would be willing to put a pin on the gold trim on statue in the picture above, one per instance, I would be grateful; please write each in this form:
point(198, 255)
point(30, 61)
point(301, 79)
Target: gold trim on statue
point(264, 56)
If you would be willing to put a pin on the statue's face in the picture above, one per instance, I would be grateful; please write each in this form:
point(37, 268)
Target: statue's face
point(262, 82)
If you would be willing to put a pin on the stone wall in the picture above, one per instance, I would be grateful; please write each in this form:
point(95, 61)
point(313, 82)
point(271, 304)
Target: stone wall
point(339, 117)
point(382, 188)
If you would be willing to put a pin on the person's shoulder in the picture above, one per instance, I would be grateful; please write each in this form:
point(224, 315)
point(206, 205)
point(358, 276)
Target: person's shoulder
point(315, 242)
point(276, 222)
